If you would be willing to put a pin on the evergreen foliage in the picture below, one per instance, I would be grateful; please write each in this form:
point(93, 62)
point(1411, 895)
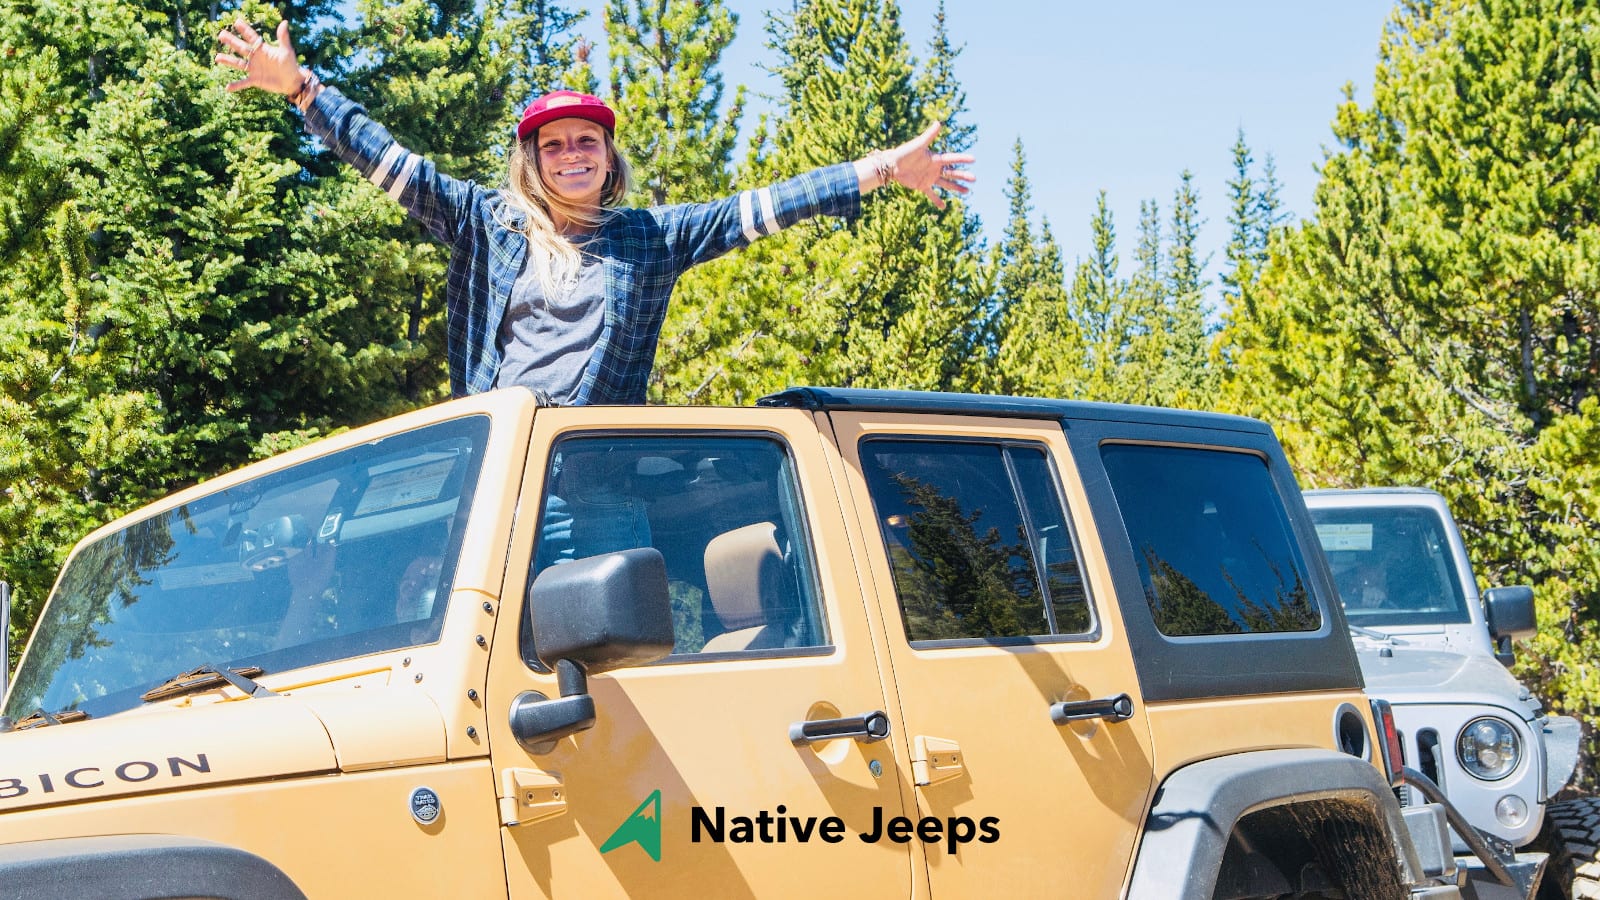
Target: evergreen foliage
point(1435, 322)
point(663, 58)
point(896, 298)
point(1099, 306)
point(1034, 325)
point(187, 282)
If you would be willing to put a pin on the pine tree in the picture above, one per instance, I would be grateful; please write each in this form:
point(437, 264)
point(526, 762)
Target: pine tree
point(1245, 225)
point(1040, 351)
point(221, 288)
point(1270, 214)
point(1149, 336)
point(665, 82)
point(1436, 322)
point(62, 421)
point(1186, 284)
point(1099, 305)
point(943, 98)
point(1015, 258)
point(894, 299)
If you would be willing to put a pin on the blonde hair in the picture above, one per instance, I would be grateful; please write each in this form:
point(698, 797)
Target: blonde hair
point(555, 259)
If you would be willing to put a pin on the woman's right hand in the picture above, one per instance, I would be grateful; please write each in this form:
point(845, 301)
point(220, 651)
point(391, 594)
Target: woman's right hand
point(270, 67)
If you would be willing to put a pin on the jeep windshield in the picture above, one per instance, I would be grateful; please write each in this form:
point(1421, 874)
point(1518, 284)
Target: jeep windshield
point(1393, 565)
point(337, 557)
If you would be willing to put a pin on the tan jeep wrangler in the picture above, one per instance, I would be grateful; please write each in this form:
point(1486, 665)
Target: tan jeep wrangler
point(845, 643)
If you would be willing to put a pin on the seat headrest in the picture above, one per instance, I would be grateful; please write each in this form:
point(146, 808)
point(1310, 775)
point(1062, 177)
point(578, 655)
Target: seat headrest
point(743, 566)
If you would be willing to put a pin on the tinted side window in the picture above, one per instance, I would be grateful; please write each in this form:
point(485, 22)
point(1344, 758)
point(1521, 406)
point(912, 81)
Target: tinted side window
point(725, 514)
point(970, 557)
point(1212, 540)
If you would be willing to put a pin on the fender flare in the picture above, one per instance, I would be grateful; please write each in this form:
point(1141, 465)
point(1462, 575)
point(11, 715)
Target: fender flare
point(1197, 807)
point(139, 865)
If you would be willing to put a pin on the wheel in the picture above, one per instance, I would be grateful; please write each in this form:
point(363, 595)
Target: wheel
point(1571, 835)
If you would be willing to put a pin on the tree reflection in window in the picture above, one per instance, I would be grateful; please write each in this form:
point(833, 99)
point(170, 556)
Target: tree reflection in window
point(1212, 539)
point(966, 554)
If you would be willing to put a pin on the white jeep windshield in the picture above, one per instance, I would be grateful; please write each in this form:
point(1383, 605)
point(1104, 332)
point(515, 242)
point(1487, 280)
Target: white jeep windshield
point(341, 556)
point(1393, 565)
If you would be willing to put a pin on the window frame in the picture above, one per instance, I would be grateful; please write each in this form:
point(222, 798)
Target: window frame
point(1199, 668)
point(1286, 520)
point(1005, 445)
point(811, 573)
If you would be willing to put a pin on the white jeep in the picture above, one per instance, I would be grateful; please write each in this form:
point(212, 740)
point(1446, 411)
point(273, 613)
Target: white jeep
point(1437, 650)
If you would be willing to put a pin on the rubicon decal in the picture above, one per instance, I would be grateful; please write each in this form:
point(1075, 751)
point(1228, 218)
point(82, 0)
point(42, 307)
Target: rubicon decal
point(89, 777)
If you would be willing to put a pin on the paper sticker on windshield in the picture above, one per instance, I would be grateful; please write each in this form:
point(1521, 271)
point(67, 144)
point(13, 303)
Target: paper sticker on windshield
point(196, 576)
point(392, 490)
point(1337, 536)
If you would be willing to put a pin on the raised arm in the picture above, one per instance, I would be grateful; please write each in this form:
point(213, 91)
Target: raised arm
point(914, 165)
point(441, 203)
point(697, 232)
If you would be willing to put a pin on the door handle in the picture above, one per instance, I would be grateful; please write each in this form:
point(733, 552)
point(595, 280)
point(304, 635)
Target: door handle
point(869, 728)
point(1117, 709)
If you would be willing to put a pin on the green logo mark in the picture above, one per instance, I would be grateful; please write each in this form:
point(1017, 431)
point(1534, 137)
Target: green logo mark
point(643, 827)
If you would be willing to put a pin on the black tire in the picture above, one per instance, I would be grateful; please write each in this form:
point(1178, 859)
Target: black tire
point(1571, 835)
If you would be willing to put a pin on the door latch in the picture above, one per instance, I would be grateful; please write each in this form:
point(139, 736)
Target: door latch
point(868, 728)
point(1116, 709)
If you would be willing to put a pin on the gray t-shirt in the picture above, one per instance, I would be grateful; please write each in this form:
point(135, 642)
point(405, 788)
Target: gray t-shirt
point(546, 345)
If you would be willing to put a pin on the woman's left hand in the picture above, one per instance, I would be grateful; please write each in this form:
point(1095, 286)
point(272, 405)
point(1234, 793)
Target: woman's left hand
point(917, 167)
point(270, 67)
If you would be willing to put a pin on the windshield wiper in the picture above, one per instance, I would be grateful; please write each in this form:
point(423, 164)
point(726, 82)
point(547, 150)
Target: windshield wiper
point(41, 719)
point(209, 676)
point(1371, 633)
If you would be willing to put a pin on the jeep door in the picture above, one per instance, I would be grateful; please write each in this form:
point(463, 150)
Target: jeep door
point(771, 631)
point(1007, 650)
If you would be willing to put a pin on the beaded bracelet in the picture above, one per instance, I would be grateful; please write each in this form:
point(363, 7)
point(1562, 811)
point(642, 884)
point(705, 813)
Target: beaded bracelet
point(306, 92)
point(882, 165)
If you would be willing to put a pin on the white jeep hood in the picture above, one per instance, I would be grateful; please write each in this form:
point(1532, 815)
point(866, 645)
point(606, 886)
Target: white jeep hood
point(1403, 675)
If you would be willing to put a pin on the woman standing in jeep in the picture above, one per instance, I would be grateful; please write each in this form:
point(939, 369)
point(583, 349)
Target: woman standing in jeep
point(553, 284)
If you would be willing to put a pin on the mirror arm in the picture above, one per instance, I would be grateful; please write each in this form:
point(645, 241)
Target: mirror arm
point(538, 722)
point(571, 678)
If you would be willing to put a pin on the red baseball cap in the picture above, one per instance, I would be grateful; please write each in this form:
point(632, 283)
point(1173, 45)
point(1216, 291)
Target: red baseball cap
point(565, 105)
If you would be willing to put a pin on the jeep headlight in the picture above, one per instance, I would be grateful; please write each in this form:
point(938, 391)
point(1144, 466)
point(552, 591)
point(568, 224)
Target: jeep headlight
point(1489, 748)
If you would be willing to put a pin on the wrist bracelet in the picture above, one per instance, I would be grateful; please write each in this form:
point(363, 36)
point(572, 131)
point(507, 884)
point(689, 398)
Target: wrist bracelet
point(306, 92)
point(882, 165)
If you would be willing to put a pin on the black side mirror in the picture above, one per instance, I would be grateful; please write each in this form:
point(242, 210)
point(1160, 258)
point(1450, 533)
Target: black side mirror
point(591, 616)
point(1511, 618)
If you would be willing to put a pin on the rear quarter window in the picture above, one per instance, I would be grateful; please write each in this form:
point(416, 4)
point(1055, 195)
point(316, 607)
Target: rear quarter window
point(1212, 541)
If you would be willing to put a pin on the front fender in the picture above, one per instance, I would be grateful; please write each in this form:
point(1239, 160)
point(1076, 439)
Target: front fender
point(139, 865)
point(1197, 807)
point(1562, 737)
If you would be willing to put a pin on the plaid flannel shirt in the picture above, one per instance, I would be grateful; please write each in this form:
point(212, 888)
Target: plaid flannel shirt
point(644, 250)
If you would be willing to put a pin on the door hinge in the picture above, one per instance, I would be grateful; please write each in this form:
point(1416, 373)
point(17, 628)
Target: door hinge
point(934, 760)
point(529, 795)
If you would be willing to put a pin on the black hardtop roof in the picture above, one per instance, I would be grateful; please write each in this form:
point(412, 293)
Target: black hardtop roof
point(869, 400)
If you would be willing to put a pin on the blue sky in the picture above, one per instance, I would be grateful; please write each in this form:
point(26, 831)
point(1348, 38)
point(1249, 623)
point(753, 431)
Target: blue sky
point(1125, 96)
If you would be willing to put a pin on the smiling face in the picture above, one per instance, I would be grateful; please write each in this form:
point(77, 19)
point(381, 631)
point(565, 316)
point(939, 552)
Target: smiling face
point(573, 161)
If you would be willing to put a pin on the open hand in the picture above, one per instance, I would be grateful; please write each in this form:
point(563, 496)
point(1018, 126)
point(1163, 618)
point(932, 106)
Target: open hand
point(270, 67)
point(915, 166)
